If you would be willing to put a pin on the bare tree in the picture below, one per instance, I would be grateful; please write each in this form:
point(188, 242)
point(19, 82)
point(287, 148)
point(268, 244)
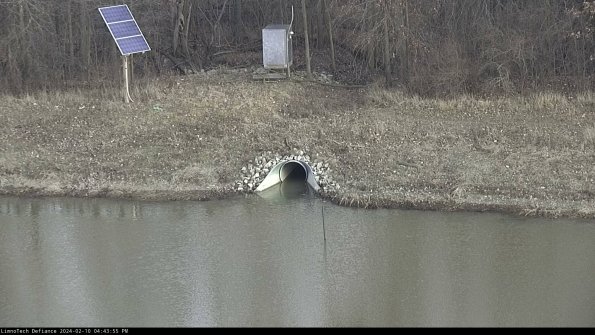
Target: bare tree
point(306, 38)
point(386, 42)
point(431, 47)
point(329, 27)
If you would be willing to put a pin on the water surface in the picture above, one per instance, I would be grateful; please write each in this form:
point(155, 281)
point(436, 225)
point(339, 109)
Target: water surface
point(257, 262)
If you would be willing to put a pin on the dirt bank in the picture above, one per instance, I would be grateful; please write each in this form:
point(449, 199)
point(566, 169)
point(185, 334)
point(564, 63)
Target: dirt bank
point(188, 137)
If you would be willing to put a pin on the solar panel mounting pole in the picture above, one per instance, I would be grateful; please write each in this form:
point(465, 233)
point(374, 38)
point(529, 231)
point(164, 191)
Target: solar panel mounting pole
point(288, 41)
point(128, 37)
point(125, 69)
point(131, 67)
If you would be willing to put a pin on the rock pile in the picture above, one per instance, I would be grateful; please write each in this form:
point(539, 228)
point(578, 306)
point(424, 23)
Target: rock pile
point(257, 169)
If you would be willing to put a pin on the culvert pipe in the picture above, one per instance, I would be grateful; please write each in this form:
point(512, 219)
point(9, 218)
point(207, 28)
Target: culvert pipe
point(289, 171)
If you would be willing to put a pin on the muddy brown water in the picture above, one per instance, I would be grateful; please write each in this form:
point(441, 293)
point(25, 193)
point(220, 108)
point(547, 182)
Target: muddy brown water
point(251, 261)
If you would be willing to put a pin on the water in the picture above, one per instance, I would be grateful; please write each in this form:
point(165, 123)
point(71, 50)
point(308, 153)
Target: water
point(258, 262)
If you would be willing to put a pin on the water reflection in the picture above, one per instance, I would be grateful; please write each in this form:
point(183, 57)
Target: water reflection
point(294, 188)
point(289, 189)
point(262, 262)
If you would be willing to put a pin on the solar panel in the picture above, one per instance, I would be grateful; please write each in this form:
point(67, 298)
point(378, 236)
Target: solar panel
point(124, 29)
point(131, 45)
point(116, 13)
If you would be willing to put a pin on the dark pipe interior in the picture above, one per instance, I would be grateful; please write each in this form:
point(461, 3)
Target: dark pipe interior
point(293, 171)
point(293, 189)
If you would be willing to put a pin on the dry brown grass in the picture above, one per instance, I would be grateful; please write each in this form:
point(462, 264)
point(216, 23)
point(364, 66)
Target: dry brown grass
point(187, 138)
point(589, 137)
point(547, 100)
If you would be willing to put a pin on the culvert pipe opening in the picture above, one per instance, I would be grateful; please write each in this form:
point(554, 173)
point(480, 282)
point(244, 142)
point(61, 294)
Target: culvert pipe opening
point(290, 173)
point(293, 172)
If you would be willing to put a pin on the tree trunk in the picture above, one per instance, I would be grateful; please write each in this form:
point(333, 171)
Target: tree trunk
point(405, 67)
point(85, 39)
point(69, 36)
point(178, 24)
point(387, 69)
point(307, 42)
point(368, 26)
point(185, 33)
point(237, 21)
point(329, 27)
point(23, 45)
point(318, 13)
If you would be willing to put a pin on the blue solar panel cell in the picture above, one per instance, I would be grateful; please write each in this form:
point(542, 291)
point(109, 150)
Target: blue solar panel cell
point(124, 29)
point(116, 13)
point(133, 45)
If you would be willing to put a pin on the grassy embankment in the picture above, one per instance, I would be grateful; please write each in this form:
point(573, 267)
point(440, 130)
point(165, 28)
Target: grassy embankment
point(188, 137)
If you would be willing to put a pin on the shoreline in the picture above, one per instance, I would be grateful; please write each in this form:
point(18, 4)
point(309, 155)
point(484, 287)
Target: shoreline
point(188, 138)
point(515, 207)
